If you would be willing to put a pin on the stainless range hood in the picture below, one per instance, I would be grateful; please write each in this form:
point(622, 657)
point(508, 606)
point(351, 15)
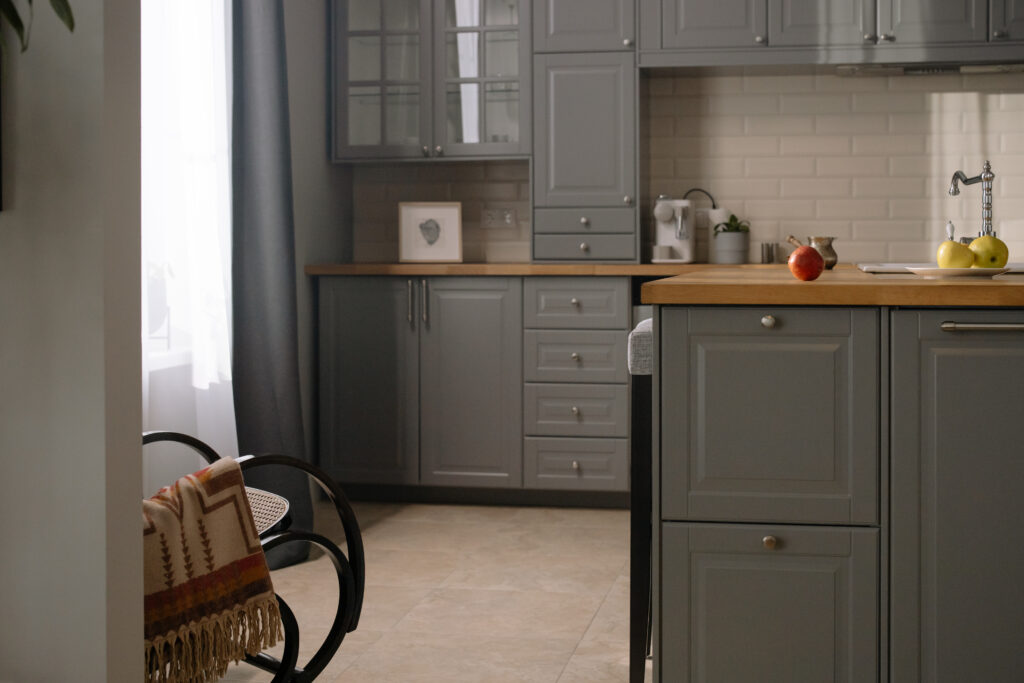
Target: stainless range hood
point(855, 70)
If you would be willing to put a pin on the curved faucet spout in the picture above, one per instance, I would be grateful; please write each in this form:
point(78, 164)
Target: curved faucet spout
point(985, 178)
point(954, 188)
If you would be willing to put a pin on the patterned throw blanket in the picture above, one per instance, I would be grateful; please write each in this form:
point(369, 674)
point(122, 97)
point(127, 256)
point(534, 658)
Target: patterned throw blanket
point(209, 599)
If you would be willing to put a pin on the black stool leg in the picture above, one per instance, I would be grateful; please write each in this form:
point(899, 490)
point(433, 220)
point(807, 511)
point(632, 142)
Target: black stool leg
point(640, 529)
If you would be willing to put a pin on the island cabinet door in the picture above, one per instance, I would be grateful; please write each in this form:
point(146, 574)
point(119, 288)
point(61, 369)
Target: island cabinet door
point(766, 603)
point(471, 390)
point(957, 512)
point(770, 414)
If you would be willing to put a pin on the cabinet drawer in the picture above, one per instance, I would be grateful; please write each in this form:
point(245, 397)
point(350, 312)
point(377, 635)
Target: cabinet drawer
point(584, 221)
point(770, 423)
point(584, 247)
point(727, 600)
point(559, 302)
point(581, 464)
point(575, 356)
point(576, 409)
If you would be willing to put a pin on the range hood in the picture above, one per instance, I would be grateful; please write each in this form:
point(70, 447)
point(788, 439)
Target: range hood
point(925, 69)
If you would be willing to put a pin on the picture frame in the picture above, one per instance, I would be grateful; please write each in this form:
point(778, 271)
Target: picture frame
point(430, 232)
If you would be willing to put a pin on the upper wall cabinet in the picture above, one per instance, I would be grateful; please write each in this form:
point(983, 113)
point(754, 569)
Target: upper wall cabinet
point(828, 31)
point(583, 25)
point(430, 78)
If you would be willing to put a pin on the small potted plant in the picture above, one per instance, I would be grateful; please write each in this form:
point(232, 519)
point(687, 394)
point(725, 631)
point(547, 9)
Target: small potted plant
point(729, 241)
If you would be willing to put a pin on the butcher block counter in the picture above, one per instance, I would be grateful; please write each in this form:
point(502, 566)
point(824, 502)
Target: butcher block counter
point(846, 285)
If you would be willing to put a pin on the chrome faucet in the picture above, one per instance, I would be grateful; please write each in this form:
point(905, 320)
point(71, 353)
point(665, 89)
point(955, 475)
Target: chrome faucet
point(986, 194)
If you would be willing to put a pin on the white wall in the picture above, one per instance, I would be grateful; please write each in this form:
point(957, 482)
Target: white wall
point(69, 362)
point(321, 190)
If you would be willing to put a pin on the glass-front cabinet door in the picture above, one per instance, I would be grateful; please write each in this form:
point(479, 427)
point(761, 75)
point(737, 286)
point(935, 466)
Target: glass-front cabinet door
point(482, 54)
point(382, 78)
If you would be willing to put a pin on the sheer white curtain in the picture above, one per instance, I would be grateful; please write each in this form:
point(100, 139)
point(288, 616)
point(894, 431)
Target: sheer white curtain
point(186, 228)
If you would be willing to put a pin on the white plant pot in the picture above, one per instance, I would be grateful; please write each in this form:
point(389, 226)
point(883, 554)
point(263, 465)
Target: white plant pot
point(729, 247)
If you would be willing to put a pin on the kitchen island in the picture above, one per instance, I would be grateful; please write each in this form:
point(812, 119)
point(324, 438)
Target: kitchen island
point(837, 476)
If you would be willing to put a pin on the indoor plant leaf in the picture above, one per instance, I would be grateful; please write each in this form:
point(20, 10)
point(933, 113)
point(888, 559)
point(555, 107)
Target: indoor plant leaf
point(10, 14)
point(63, 11)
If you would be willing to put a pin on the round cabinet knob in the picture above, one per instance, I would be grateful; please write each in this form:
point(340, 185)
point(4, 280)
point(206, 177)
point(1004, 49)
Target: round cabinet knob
point(575, 356)
point(576, 465)
point(584, 220)
point(627, 200)
point(770, 542)
point(439, 150)
point(426, 151)
point(759, 40)
point(1000, 34)
point(628, 42)
point(768, 321)
point(584, 246)
point(574, 301)
point(887, 36)
point(869, 38)
point(575, 410)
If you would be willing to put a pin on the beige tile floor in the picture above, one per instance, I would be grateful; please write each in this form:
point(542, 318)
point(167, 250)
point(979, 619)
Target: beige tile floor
point(474, 594)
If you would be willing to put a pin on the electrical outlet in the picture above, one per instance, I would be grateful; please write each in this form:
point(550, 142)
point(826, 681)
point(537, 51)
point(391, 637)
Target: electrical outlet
point(498, 218)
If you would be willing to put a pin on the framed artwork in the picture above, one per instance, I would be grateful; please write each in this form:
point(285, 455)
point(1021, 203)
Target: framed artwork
point(430, 232)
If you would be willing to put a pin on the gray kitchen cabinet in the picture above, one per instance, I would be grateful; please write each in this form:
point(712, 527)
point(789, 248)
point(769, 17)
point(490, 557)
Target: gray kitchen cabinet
point(576, 383)
point(1007, 19)
point(583, 25)
point(769, 603)
point(421, 380)
point(932, 21)
point(430, 78)
point(957, 543)
point(769, 423)
point(369, 380)
point(714, 23)
point(585, 154)
point(471, 400)
point(808, 23)
point(771, 414)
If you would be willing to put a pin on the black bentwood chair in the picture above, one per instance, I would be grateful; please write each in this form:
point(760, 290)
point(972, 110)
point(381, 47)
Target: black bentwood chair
point(273, 524)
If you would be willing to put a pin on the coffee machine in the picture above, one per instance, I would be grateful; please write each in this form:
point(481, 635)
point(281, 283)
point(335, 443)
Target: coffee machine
point(674, 231)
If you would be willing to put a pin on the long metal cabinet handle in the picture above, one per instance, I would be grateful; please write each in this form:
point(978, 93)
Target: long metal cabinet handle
point(408, 300)
point(981, 327)
point(424, 314)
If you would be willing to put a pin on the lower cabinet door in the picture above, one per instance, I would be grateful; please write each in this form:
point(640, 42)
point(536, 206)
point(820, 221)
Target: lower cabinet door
point(768, 603)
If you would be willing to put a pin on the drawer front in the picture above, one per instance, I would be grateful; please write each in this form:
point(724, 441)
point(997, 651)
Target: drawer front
point(584, 247)
point(561, 302)
point(597, 356)
point(576, 464)
point(770, 423)
point(576, 410)
point(585, 221)
point(732, 593)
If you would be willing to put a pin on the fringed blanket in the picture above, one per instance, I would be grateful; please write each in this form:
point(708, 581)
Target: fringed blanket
point(209, 599)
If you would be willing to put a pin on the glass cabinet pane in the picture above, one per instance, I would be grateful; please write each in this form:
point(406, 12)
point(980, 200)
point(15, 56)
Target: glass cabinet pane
point(462, 54)
point(402, 115)
point(402, 58)
point(364, 116)
point(463, 112)
point(363, 15)
point(501, 112)
point(364, 58)
point(401, 15)
point(501, 52)
point(461, 13)
point(501, 12)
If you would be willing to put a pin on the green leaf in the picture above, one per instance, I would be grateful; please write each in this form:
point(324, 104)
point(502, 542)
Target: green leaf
point(10, 14)
point(64, 13)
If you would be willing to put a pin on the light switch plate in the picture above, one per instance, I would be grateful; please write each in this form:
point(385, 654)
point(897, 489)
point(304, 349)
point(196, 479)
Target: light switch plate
point(498, 218)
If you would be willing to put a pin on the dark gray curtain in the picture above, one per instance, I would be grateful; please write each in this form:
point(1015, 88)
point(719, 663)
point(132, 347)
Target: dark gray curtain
point(268, 410)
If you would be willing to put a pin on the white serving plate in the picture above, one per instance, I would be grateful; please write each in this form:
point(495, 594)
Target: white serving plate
point(932, 272)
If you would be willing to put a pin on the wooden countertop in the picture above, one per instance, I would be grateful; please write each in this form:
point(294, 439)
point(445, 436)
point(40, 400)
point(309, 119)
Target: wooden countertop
point(844, 286)
point(511, 269)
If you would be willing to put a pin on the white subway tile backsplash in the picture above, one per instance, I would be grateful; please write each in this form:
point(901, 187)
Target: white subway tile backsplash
point(736, 146)
point(1012, 102)
point(933, 83)
point(778, 125)
point(888, 187)
point(1012, 142)
point(743, 104)
point(815, 187)
point(849, 167)
point(841, 84)
point(780, 167)
point(852, 208)
point(711, 167)
point(889, 102)
point(779, 208)
point(920, 165)
point(830, 124)
point(779, 84)
point(830, 103)
point(889, 144)
point(889, 230)
point(933, 122)
point(815, 145)
point(702, 126)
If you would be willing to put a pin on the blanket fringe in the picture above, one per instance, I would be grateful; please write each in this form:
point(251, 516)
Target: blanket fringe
point(201, 652)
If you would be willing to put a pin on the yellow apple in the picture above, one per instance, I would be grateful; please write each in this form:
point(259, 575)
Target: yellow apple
point(989, 252)
point(954, 255)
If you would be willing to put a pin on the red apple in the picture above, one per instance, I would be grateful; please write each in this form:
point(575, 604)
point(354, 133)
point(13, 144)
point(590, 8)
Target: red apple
point(806, 263)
